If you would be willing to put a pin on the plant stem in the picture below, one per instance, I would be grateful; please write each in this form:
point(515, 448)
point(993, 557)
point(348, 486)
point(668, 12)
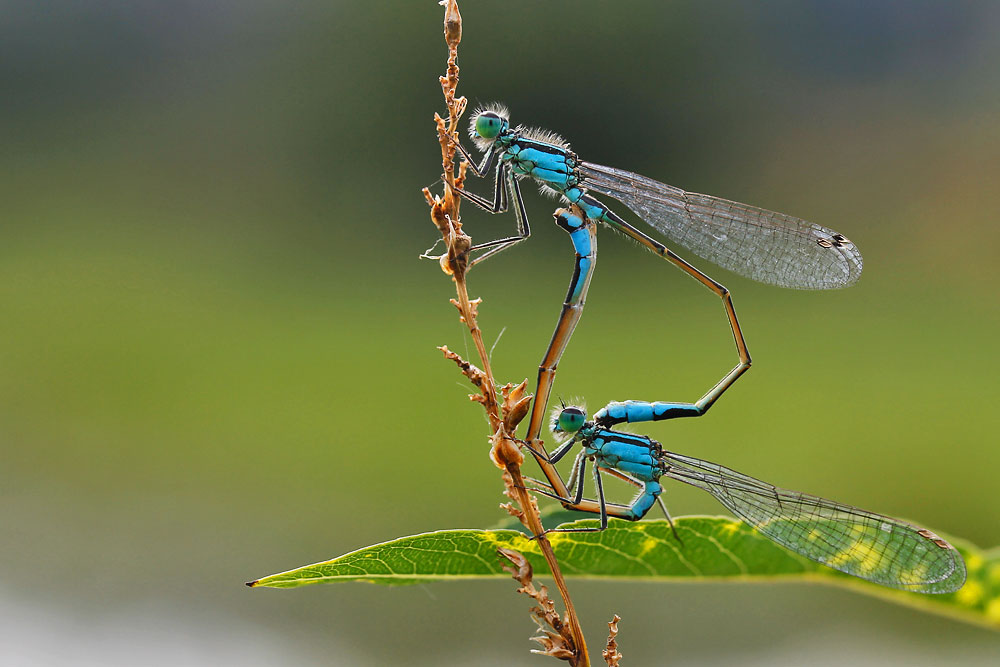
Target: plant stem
point(445, 215)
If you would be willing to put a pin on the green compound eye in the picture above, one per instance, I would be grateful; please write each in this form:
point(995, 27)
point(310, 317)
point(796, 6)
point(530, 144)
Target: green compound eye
point(488, 125)
point(570, 420)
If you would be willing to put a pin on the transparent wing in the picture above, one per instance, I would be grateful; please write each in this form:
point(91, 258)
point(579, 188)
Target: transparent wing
point(769, 247)
point(878, 548)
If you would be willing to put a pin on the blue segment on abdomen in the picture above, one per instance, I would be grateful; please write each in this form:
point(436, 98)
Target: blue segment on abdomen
point(643, 411)
point(613, 413)
point(594, 211)
point(573, 224)
point(576, 288)
point(642, 504)
point(671, 410)
point(626, 411)
point(581, 242)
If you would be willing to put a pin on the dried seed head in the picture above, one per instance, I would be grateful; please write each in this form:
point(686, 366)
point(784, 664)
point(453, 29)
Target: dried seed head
point(452, 23)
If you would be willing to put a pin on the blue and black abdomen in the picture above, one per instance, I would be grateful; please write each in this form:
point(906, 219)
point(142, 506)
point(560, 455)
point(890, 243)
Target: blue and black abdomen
point(643, 411)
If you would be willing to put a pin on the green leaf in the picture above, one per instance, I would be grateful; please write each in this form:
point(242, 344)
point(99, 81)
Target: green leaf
point(711, 549)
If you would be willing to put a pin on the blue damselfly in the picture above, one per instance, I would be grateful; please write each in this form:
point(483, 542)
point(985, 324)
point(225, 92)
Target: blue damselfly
point(871, 546)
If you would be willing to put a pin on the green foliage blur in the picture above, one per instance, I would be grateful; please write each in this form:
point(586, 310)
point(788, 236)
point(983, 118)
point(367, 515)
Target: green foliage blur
point(217, 349)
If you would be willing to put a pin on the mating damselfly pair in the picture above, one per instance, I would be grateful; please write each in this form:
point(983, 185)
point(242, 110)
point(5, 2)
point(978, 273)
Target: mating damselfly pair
point(769, 247)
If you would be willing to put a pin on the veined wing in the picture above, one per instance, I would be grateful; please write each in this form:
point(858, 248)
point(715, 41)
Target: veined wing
point(878, 548)
point(769, 247)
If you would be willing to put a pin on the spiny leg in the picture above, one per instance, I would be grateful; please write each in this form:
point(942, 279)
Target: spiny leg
point(504, 181)
point(481, 169)
point(520, 215)
point(578, 475)
point(670, 519)
point(636, 483)
point(585, 505)
point(600, 496)
point(539, 485)
point(556, 455)
point(634, 511)
point(622, 476)
point(499, 203)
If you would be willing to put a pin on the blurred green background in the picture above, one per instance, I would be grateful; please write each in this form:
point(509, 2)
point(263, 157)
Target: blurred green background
point(217, 343)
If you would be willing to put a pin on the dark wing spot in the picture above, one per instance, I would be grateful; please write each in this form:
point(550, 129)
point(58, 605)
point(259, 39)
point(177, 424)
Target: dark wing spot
point(835, 241)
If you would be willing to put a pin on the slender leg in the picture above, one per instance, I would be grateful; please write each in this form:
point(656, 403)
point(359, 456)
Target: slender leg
point(594, 507)
point(483, 168)
point(622, 476)
point(576, 476)
point(591, 506)
point(556, 455)
point(578, 473)
point(648, 483)
point(659, 499)
point(633, 512)
point(576, 480)
point(520, 214)
point(499, 203)
point(505, 186)
point(670, 519)
point(538, 484)
point(600, 497)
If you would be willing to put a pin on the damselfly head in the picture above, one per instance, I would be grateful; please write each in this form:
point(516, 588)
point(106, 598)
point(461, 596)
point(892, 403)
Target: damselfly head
point(567, 420)
point(487, 124)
